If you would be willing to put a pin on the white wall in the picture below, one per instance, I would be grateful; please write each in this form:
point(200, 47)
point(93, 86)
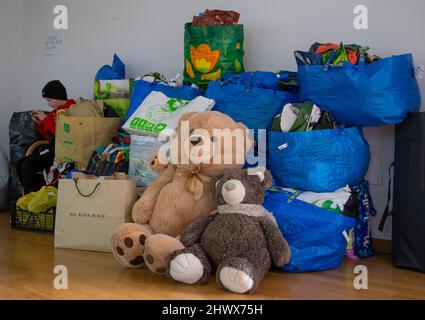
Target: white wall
point(148, 36)
point(10, 65)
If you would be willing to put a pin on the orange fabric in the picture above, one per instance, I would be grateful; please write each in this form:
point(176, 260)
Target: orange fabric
point(325, 47)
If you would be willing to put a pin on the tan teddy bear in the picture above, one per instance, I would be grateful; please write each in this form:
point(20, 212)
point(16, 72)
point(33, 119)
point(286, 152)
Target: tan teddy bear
point(181, 194)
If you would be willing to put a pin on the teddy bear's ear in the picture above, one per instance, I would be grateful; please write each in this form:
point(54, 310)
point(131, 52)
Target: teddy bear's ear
point(267, 182)
point(264, 175)
point(213, 183)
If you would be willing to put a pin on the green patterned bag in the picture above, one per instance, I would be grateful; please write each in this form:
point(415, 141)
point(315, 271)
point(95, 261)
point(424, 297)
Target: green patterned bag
point(211, 52)
point(115, 93)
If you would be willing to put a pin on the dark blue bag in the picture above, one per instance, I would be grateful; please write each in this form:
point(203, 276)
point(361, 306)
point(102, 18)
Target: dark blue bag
point(315, 235)
point(378, 93)
point(142, 89)
point(363, 245)
point(252, 98)
point(318, 160)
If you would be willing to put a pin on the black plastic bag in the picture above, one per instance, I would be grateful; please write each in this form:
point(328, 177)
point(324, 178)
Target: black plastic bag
point(22, 133)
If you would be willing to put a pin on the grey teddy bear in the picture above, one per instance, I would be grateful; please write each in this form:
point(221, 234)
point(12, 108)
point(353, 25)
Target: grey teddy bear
point(240, 240)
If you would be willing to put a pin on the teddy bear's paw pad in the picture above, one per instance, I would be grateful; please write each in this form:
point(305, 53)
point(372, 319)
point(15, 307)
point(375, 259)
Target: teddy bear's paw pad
point(235, 280)
point(186, 268)
point(129, 250)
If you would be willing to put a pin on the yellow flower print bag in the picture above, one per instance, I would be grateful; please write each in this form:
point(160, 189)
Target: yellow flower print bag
point(211, 52)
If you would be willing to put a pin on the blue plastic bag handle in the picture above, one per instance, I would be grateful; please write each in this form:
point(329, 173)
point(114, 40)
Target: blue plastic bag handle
point(248, 85)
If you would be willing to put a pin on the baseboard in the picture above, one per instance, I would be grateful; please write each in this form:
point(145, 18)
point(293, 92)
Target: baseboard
point(382, 246)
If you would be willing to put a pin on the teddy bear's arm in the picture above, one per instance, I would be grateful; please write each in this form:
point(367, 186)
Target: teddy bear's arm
point(277, 245)
point(143, 208)
point(193, 232)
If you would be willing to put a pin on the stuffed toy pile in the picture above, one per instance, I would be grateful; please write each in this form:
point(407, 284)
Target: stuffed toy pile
point(180, 195)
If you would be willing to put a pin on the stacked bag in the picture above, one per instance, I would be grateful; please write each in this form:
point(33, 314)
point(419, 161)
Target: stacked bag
point(315, 146)
point(213, 46)
point(359, 88)
point(318, 147)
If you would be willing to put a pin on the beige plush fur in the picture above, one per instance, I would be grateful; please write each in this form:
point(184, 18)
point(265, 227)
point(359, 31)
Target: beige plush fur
point(177, 197)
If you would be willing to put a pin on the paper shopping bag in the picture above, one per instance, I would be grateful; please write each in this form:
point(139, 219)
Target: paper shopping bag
point(89, 210)
point(77, 137)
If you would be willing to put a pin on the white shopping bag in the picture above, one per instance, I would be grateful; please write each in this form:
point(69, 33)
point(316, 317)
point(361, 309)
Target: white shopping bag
point(159, 112)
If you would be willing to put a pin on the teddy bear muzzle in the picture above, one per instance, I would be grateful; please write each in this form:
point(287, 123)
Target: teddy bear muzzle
point(233, 191)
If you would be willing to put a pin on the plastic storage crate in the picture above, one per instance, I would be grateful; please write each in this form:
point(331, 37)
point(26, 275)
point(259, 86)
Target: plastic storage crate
point(31, 221)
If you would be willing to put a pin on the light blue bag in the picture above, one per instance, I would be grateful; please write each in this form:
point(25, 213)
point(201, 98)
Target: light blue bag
point(378, 93)
point(142, 88)
point(318, 160)
point(315, 235)
point(253, 98)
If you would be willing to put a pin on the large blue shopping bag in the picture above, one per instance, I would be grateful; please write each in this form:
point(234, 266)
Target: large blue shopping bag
point(315, 235)
point(318, 160)
point(378, 93)
point(253, 98)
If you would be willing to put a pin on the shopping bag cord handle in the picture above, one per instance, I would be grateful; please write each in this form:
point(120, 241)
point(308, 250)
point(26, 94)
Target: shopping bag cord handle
point(85, 195)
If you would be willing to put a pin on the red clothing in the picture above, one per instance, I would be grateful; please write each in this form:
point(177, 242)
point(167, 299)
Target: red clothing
point(47, 127)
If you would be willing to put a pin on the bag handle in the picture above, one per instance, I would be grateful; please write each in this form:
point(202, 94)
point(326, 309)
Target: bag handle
point(248, 85)
point(294, 196)
point(387, 211)
point(222, 82)
point(85, 195)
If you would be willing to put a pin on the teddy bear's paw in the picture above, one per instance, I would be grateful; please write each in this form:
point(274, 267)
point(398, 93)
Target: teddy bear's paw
point(186, 268)
point(158, 249)
point(128, 245)
point(235, 280)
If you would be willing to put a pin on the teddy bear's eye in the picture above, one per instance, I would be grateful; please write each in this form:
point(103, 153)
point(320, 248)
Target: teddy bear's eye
point(213, 139)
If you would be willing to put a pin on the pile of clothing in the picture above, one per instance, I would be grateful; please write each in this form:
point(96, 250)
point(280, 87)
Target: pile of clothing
point(216, 18)
point(110, 159)
point(334, 54)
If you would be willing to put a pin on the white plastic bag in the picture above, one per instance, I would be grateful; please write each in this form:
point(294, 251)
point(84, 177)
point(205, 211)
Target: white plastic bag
point(159, 112)
point(332, 201)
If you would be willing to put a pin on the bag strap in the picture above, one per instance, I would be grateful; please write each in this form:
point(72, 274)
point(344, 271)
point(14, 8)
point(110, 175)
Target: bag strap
point(85, 195)
point(294, 196)
point(387, 211)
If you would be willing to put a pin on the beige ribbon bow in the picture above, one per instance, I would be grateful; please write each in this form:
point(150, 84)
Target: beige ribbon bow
point(194, 182)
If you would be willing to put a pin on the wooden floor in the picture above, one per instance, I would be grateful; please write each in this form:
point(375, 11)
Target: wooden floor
point(27, 261)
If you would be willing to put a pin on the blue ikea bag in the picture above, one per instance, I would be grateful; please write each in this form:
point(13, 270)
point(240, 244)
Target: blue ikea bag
point(318, 160)
point(378, 93)
point(253, 98)
point(315, 235)
point(114, 72)
point(142, 88)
